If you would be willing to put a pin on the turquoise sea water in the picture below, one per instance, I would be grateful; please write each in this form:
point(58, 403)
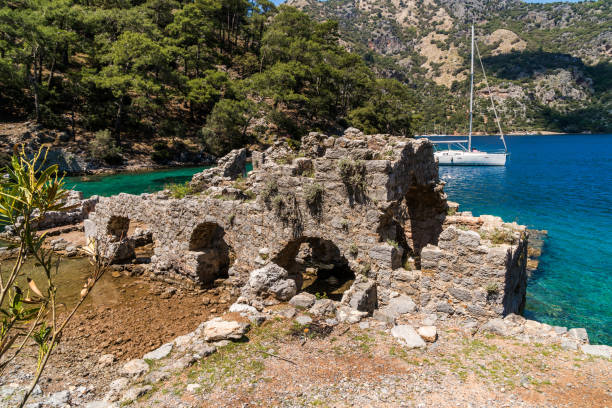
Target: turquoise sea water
point(562, 184)
point(132, 183)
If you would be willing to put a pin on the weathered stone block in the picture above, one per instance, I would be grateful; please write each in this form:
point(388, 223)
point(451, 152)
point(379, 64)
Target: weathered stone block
point(387, 256)
point(361, 295)
point(469, 239)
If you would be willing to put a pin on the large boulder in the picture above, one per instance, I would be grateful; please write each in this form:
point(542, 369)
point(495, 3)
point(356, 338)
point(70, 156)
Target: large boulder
point(219, 329)
point(271, 280)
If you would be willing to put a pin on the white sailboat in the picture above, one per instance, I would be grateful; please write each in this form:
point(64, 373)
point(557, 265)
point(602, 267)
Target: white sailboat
point(463, 155)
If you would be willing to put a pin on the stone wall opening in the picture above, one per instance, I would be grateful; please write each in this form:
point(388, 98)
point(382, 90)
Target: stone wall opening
point(210, 252)
point(118, 227)
point(144, 245)
point(426, 210)
point(317, 266)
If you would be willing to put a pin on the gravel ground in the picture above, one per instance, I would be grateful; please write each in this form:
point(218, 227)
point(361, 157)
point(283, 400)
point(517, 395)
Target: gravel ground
point(366, 367)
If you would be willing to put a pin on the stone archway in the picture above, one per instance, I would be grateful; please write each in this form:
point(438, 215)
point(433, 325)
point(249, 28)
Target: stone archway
point(317, 265)
point(209, 255)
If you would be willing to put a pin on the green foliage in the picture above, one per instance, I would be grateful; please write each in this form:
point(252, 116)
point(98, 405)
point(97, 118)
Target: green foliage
point(387, 111)
point(167, 68)
point(226, 127)
point(352, 174)
point(179, 190)
point(31, 190)
point(492, 288)
point(103, 147)
point(269, 191)
point(313, 193)
point(393, 243)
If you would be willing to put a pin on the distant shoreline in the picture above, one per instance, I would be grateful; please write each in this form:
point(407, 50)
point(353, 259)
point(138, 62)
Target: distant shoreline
point(538, 133)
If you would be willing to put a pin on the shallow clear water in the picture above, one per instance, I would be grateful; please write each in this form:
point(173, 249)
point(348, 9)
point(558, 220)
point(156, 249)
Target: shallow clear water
point(562, 184)
point(132, 183)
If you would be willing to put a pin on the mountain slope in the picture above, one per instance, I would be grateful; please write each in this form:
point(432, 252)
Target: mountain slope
point(549, 64)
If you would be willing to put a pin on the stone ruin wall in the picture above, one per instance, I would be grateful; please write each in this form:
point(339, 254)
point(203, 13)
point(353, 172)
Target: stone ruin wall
point(372, 202)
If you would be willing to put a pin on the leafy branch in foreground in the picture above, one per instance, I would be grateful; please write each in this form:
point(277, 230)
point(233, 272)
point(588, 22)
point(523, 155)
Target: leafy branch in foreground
point(28, 312)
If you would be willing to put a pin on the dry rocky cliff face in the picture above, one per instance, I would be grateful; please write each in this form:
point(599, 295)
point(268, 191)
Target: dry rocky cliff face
point(367, 206)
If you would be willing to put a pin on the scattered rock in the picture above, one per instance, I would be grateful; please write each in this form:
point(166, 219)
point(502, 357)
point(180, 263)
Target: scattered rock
point(101, 404)
point(361, 295)
point(115, 388)
point(567, 344)
point(182, 363)
point(134, 368)
point(345, 314)
point(287, 312)
point(597, 350)
point(303, 320)
point(579, 334)
point(384, 315)
point(134, 393)
point(219, 329)
point(303, 300)
point(243, 308)
point(159, 353)
point(496, 326)
point(428, 333)
point(59, 398)
point(323, 307)
point(106, 360)
point(193, 388)
point(203, 350)
point(168, 293)
point(270, 280)
point(408, 336)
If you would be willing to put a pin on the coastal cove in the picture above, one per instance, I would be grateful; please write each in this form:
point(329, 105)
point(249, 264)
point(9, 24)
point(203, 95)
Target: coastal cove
point(561, 183)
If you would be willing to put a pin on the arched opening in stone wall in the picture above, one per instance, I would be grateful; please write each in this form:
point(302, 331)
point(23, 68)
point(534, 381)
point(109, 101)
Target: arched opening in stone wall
point(118, 227)
point(210, 252)
point(317, 266)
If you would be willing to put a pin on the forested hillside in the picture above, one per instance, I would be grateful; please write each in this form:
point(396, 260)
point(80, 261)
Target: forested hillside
point(222, 72)
point(549, 64)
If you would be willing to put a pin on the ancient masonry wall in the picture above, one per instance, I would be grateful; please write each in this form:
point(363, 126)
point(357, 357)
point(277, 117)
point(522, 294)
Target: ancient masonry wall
point(371, 202)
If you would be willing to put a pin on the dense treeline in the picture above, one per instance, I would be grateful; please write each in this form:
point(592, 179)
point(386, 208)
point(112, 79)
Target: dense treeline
point(234, 71)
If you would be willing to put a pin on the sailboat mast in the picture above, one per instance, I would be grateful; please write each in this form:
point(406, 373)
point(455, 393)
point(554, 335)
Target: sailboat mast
point(471, 92)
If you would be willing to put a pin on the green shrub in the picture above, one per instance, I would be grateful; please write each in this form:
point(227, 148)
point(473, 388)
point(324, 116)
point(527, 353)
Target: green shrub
point(104, 148)
point(161, 153)
point(352, 174)
point(269, 191)
point(393, 243)
point(313, 194)
point(492, 288)
point(179, 190)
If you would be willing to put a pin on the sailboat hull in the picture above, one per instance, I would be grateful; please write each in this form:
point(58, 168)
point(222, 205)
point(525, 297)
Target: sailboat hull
point(461, 158)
